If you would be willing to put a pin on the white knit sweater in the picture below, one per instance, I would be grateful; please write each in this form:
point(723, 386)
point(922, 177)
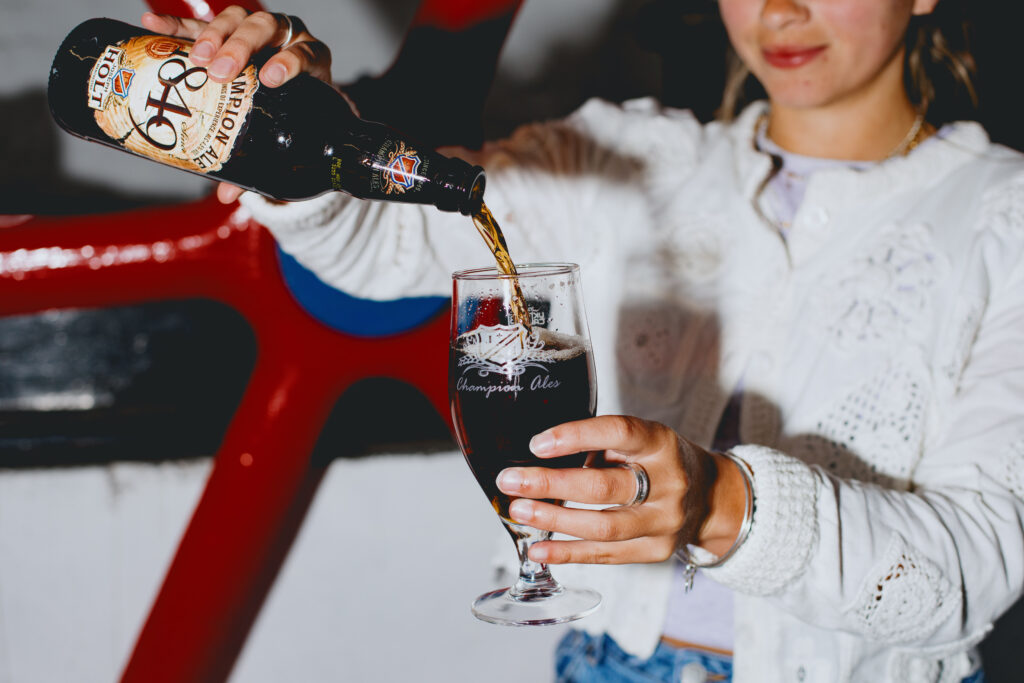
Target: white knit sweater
point(881, 346)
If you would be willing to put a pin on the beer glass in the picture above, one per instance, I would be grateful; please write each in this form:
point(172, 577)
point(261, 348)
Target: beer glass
point(509, 379)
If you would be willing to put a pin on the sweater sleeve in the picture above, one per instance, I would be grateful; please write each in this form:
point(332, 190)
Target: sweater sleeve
point(934, 566)
point(558, 189)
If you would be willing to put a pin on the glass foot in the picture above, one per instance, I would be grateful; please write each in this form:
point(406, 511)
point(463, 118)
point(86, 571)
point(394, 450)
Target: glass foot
point(558, 607)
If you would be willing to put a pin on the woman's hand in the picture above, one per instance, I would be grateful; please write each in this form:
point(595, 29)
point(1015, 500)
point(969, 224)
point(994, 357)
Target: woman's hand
point(225, 45)
point(648, 532)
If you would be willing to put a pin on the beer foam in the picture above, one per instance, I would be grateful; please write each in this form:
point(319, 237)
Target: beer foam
point(505, 344)
point(558, 346)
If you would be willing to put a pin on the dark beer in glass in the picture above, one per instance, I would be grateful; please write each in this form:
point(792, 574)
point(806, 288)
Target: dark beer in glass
point(510, 379)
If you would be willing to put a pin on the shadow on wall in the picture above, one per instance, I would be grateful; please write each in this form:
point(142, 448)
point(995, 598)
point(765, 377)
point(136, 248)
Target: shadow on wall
point(32, 180)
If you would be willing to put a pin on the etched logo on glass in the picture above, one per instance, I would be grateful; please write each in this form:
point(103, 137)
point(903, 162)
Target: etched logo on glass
point(503, 349)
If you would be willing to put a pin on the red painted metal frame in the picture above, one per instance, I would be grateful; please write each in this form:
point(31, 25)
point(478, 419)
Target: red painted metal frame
point(263, 480)
point(460, 15)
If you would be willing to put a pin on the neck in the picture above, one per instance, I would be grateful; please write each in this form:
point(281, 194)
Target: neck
point(866, 127)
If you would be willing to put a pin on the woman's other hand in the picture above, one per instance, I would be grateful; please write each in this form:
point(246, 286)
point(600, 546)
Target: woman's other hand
point(647, 532)
point(226, 44)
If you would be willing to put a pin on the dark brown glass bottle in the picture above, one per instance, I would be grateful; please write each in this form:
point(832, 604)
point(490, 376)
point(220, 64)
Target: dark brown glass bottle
point(133, 90)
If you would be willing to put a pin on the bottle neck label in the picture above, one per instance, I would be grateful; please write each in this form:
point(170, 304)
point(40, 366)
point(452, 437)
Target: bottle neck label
point(397, 172)
point(151, 99)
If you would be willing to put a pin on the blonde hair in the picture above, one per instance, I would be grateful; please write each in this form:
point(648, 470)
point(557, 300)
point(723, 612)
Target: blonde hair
point(938, 68)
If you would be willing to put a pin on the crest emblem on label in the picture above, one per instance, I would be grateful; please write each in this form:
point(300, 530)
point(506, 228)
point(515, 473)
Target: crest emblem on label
point(400, 170)
point(503, 349)
point(122, 81)
point(149, 97)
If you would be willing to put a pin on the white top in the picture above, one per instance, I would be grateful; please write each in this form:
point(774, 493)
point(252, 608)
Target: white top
point(703, 615)
point(879, 344)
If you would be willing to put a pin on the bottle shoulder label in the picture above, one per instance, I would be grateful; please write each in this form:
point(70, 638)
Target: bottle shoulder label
point(150, 98)
point(397, 169)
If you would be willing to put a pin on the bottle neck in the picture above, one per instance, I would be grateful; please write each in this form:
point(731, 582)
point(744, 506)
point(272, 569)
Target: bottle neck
point(460, 186)
point(375, 162)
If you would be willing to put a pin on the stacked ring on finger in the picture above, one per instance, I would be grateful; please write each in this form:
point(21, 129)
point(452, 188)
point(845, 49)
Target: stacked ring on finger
point(643, 483)
point(293, 25)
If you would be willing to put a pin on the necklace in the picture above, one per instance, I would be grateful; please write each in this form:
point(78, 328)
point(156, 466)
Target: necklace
point(910, 140)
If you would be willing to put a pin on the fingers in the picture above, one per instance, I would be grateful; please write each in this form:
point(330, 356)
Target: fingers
point(600, 486)
point(173, 26)
point(228, 193)
point(616, 524)
point(228, 42)
point(311, 57)
point(619, 433)
point(232, 38)
point(598, 552)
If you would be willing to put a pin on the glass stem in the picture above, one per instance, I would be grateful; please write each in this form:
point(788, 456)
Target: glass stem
point(535, 581)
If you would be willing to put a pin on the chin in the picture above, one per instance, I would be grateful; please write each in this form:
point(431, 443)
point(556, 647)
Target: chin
point(804, 88)
point(798, 97)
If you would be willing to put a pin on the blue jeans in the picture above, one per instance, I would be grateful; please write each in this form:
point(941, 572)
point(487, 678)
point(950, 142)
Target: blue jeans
point(582, 658)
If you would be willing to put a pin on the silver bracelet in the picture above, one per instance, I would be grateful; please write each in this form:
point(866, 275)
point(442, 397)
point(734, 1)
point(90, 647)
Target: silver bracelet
point(691, 565)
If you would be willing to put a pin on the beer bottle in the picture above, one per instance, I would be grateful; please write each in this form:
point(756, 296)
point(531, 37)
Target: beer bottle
point(137, 91)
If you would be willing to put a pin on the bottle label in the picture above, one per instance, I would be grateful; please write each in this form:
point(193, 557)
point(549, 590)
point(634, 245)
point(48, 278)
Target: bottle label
point(150, 98)
point(398, 169)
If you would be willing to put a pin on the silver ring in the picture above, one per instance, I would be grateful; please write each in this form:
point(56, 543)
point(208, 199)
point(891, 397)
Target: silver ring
point(288, 35)
point(643, 483)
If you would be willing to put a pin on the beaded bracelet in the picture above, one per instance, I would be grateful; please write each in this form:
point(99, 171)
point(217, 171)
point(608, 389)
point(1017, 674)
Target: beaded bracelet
point(683, 553)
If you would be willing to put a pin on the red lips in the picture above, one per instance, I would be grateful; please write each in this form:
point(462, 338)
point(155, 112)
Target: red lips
point(790, 57)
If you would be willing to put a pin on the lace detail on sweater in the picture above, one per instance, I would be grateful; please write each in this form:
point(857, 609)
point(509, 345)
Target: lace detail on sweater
point(1003, 208)
point(872, 433)
point(908, 597)
point(784, 534)
point(947, 663)
point(668, 355)
point(694, 252)
point(1013, 468)
point(884, 293)
point(965, 318)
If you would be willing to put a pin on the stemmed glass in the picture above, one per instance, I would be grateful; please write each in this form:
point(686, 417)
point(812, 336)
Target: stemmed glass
point(509, 379)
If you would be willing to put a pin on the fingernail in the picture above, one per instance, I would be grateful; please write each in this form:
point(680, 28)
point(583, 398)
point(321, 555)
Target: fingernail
point(542, 443)
point(222, 68)
point(538, 554)
point(510, 480)
point(521, 510)
point(203, 50)
point(274, 74)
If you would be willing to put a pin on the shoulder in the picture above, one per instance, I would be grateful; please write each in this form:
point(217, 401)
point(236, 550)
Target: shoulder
point(1002, 191)
point(635, 127)
point(1000, 224)
point(990, 185)
point(628, 140)
point(966, 146)
point(643, 118)
point(964, 172)
point(992, 175)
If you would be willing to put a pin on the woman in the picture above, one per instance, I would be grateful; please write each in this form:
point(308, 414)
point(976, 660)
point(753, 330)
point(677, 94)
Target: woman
point(830, 287)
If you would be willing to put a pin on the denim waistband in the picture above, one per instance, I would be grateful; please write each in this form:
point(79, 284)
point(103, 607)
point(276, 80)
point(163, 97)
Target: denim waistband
point(582, 658)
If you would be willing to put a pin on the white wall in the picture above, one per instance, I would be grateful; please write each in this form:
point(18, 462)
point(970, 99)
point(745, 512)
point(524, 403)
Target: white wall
point(376, 588)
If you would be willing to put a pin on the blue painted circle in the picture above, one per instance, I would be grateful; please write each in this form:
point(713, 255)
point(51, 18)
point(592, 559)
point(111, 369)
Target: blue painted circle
point(351, 315)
